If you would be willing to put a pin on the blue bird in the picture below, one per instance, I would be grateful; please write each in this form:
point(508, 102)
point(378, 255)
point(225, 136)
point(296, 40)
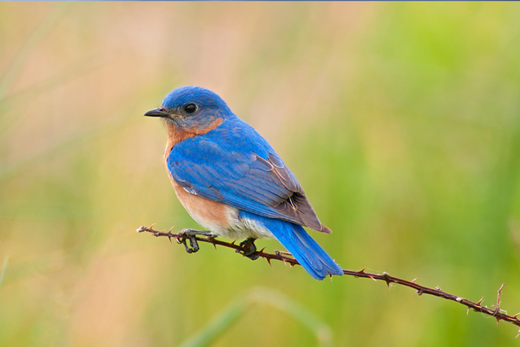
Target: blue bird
point(232, 182)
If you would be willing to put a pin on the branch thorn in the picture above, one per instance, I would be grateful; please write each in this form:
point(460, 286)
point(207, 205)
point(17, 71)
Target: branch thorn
point(386, 278)
point(269, 261)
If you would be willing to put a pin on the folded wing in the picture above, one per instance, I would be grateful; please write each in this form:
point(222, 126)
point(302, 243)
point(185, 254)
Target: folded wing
point(247, 175)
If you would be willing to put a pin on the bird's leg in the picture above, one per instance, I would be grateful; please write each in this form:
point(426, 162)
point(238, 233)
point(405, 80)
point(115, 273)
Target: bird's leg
point(248, 248)
point(189, 234)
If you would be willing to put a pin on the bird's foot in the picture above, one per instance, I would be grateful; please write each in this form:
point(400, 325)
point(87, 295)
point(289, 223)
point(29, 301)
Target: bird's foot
point(248, 248)
point(190, 234)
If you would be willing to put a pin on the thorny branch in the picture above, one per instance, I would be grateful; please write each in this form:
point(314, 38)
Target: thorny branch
point(495, 311)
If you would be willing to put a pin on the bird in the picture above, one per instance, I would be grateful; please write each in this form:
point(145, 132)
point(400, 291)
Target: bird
point(233, 183)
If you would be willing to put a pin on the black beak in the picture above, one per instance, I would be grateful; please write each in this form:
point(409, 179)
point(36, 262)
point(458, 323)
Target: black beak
point(157, 112)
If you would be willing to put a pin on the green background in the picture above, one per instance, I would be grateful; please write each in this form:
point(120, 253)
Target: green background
point(401, 121)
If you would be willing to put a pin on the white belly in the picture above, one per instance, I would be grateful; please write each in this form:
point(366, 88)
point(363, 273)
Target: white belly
point(235, 228)
point(244, 227)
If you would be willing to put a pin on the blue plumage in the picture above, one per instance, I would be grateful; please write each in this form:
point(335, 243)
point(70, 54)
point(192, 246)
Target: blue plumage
point(213, 155)
point(310, 255)
point(222, 165)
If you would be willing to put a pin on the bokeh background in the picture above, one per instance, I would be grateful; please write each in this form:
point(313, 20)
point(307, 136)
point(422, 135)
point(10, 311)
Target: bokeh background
point(401, 121)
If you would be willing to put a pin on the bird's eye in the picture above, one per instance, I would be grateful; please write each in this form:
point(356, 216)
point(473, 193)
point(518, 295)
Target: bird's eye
point(190, 108)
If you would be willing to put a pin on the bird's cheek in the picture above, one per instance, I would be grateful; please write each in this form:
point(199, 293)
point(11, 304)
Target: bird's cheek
point(175, 119)
point(171, 121)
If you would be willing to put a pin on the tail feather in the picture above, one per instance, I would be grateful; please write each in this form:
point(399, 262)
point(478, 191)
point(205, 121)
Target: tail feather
point(310, 255)
point(303, 247)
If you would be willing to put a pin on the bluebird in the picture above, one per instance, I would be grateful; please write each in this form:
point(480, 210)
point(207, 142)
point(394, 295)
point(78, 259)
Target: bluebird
point(233, 183)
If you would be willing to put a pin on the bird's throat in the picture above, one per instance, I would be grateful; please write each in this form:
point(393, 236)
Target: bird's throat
point(178, 133)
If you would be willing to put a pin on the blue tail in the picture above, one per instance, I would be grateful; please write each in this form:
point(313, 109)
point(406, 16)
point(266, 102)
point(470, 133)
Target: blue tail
point(293, 237)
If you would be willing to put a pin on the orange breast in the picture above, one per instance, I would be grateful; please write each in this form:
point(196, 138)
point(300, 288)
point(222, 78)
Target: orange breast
point(212, 215)
point(215, 216)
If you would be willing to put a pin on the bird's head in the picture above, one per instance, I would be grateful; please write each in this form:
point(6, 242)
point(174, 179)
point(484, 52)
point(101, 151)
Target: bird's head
point(192, 109)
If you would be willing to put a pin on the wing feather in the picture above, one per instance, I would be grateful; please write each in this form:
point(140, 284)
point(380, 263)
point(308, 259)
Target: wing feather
point(248, 175)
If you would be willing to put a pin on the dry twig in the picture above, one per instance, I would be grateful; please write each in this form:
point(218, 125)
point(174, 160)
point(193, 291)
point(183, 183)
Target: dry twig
point(495, 311)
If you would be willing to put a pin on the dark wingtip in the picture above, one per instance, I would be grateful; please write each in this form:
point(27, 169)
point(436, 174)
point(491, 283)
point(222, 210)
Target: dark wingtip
point(325, 230)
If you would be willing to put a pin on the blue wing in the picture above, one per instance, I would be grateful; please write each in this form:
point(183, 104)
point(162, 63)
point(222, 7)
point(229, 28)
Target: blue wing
point(234, 165)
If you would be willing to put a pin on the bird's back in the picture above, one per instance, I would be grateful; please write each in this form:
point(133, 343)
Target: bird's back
point(235, 165)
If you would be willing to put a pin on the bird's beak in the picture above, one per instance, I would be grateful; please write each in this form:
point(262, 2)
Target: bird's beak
point(157, 112)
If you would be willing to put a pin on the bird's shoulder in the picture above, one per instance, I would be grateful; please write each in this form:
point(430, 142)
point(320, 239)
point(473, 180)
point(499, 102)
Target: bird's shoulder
point(233, 140)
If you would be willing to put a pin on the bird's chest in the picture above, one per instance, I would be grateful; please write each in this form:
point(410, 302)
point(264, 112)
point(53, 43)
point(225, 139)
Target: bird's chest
point(219, 218)
point(212, 215)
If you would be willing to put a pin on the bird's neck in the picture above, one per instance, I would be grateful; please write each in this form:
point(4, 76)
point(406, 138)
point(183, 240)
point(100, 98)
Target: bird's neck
point(178, 133)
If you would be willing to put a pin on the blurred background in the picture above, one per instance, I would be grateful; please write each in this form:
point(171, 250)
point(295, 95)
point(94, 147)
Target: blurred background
point(401, 121)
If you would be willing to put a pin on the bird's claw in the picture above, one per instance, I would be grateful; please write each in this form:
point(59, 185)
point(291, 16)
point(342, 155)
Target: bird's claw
point(190, 234)
point(248, 248)
point(194, 245)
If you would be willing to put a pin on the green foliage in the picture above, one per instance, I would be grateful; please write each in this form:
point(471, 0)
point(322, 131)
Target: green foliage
point(400, 120)
point(238, 308)
point(4, 268)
